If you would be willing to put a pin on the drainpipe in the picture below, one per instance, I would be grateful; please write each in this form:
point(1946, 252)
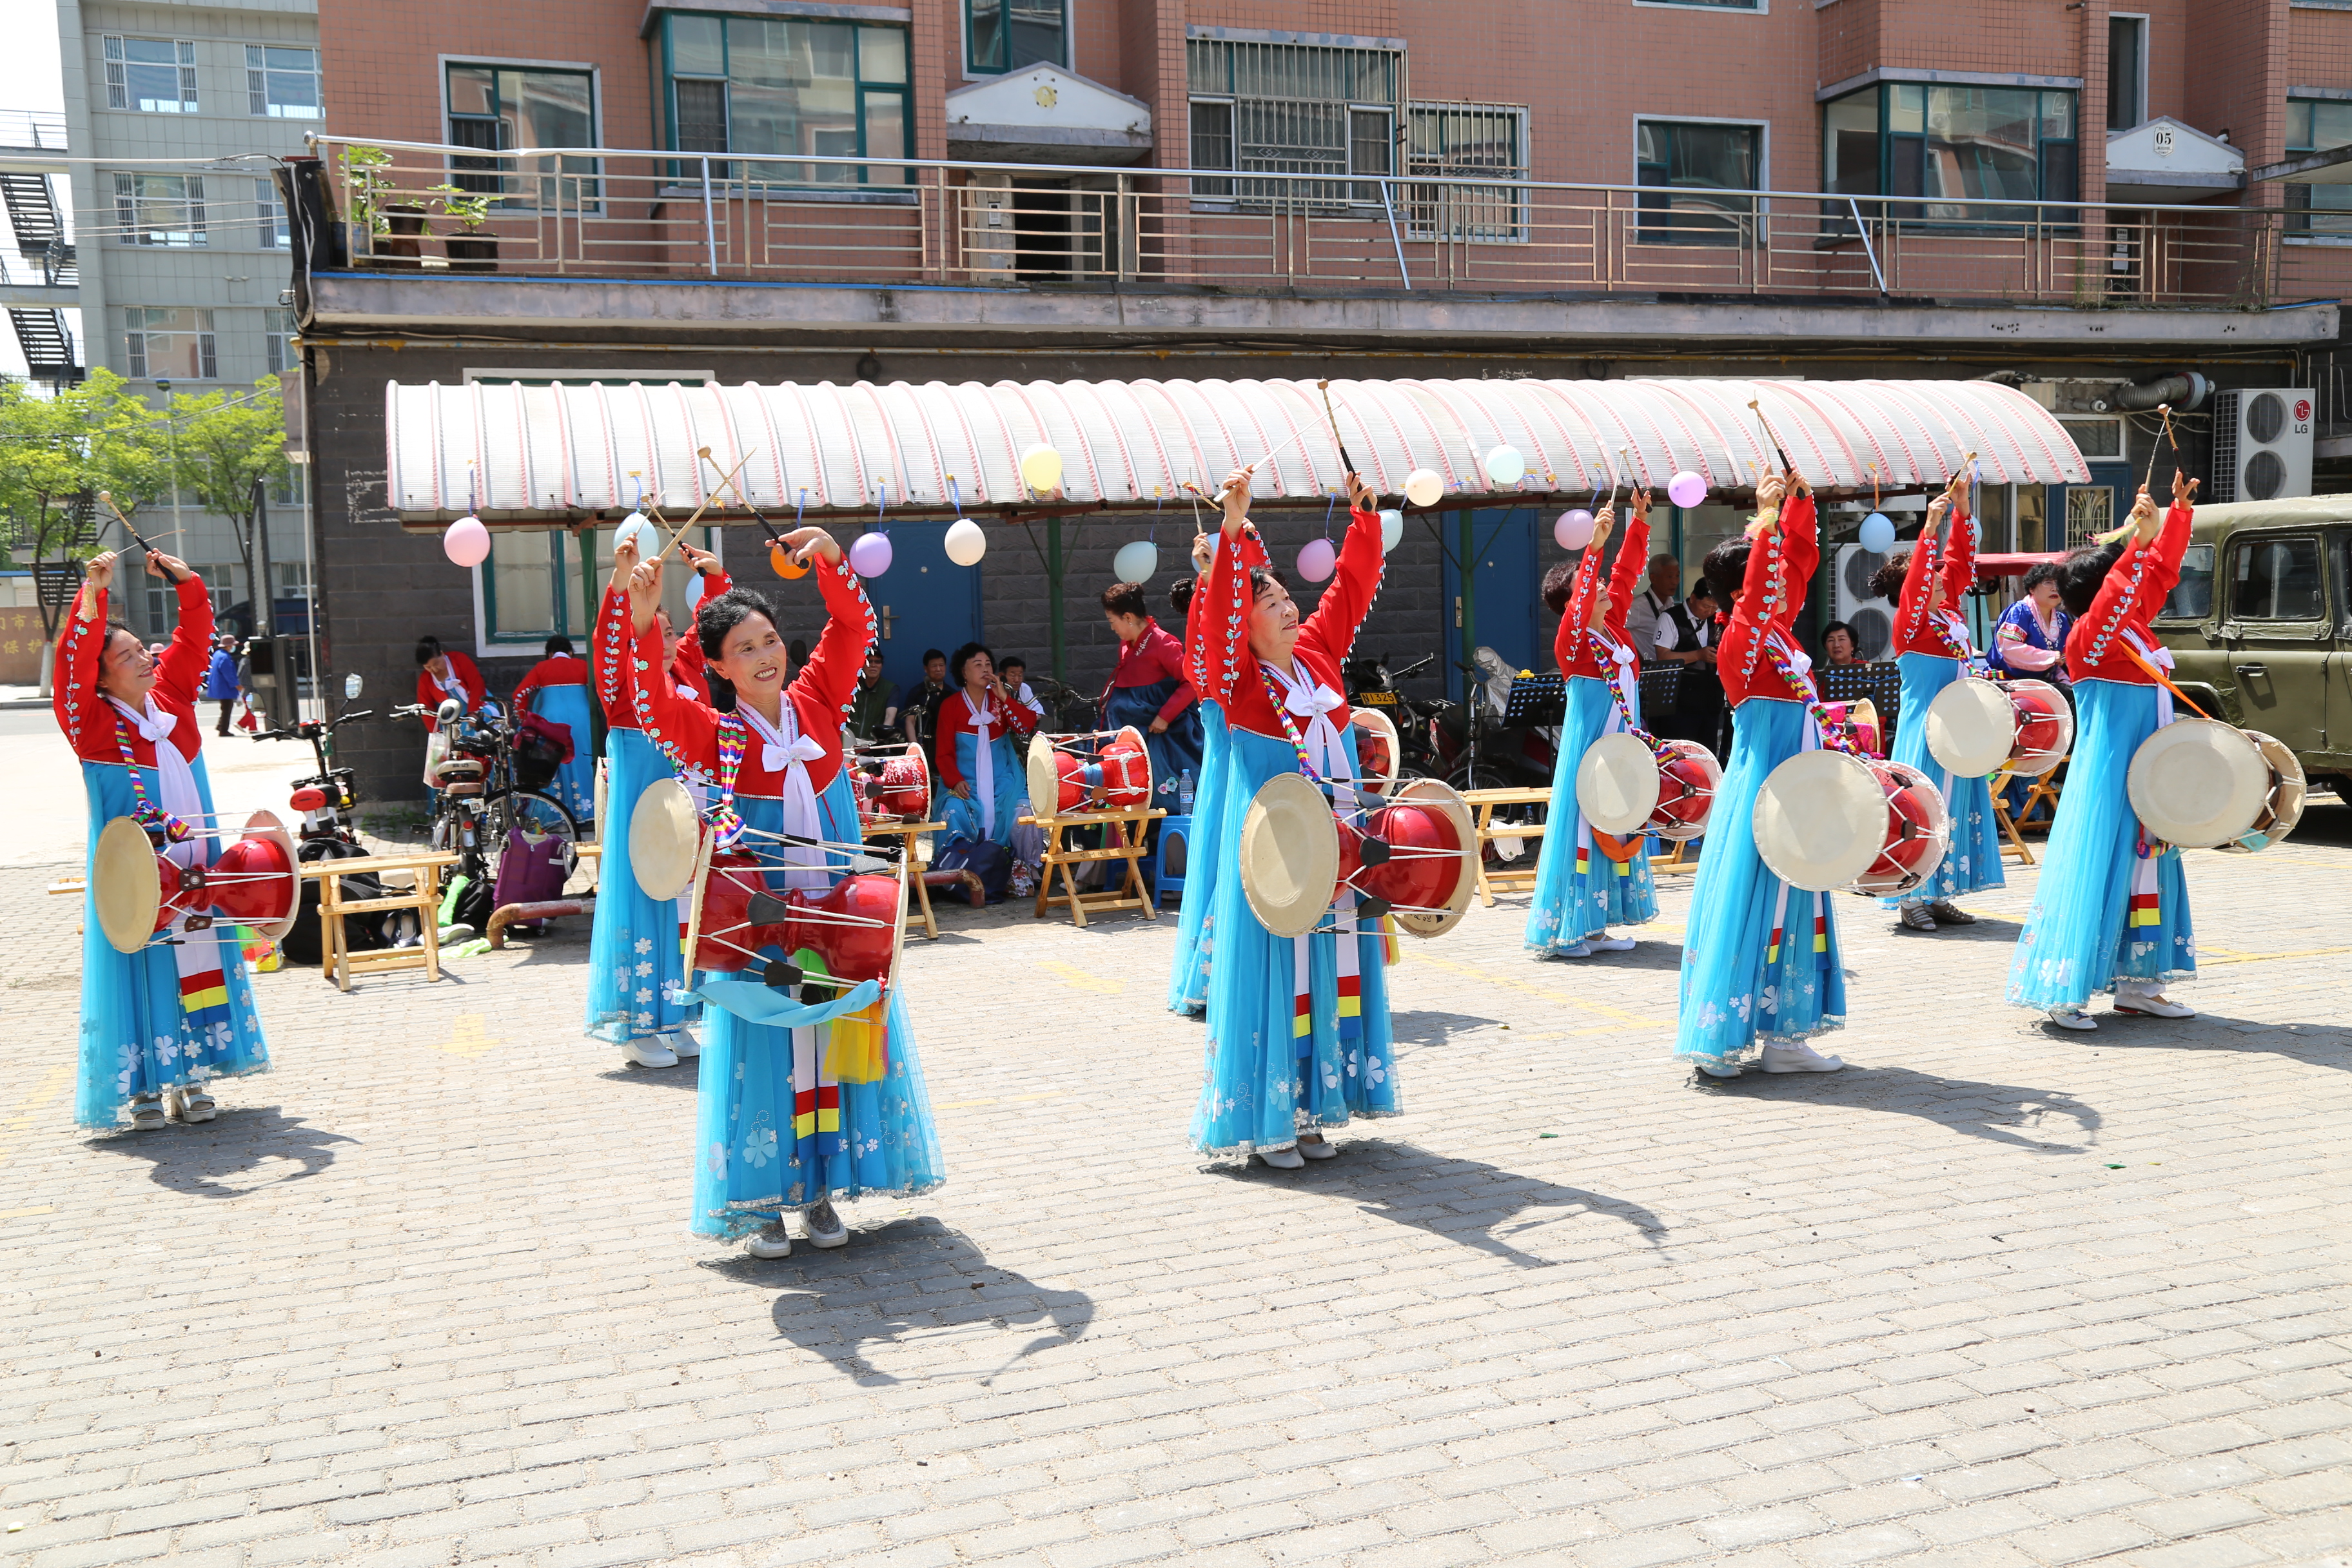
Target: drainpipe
point(1054, 599)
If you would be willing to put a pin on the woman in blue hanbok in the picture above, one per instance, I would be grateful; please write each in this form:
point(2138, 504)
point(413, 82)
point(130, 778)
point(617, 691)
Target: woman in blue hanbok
point(159, 1025)
point(1204, 851)
point(982, 756)
point(800, 1104)
point(1300, 1039)
point(635, 965)
point(1931, 642)
point(556, 689)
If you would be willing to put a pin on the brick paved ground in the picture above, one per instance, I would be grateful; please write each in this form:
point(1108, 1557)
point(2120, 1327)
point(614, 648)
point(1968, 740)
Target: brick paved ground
point(1992, 1296)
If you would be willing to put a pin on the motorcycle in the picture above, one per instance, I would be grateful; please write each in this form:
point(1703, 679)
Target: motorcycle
point(1371, 684)
point(326, 804)
point(1476, 750)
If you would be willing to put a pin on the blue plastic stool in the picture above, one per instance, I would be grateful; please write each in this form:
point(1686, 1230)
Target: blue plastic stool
point(1176, 830)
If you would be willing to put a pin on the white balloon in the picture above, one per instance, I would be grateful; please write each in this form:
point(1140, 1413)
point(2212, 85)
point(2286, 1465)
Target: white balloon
point(639, 527)
point(966, 542)
point(1424, 488)
point(1392, 531)
point(1041, 468)
point(1505, 466)
point(1136, 562)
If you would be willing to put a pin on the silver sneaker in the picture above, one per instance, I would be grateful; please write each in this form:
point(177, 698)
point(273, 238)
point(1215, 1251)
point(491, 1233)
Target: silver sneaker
point(1917, 917)
point(771, 1240)
point(1949, 913)
point(825, 1226)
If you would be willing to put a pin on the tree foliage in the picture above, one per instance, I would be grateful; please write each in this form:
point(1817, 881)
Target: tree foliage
point(58, 454)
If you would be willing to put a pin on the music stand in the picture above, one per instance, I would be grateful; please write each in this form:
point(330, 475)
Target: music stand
point(1536, 702)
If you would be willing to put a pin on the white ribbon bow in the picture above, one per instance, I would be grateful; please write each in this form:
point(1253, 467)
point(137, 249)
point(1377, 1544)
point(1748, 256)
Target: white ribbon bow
point(176, 782)
point(2159, 656)
point(1306, 698)
point(785, 751)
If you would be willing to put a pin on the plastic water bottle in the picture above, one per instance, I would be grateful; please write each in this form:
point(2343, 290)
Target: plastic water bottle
point(1184, 793)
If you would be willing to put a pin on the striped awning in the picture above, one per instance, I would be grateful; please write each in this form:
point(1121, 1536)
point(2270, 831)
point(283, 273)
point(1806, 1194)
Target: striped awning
point(519, 454)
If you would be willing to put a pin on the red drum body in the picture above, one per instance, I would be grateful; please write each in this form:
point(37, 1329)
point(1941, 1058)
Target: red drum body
point(1688, 777)
point(141, 891)
point(2045, 727)
point(1917, 833)
point(851, 926)
point(1119, 780)
point(893, 787)
point(1406, 856)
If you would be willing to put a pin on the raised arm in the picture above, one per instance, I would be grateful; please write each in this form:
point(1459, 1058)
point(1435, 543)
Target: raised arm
point(681, 726)
point(1959, 556)
point(1919, 577)
point(1354, 581)
point(1577, 615)
point(81, 647)
point(1804, 555)
point(831, 674)
point(1633, 560)
point(182, 669)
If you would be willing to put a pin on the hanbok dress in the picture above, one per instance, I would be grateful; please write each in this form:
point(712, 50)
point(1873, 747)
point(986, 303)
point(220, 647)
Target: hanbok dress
point(180, 1013)
point(984, 746)
point(1761, 964)
point(1298, 1033)
point(796, 1101)
point(556, 689)
point(2111, 905)
point(462, 683)
point(635, 964)
point(1933, 651)
point(1148, 684)
point(1583, 887)
point(1207, 852)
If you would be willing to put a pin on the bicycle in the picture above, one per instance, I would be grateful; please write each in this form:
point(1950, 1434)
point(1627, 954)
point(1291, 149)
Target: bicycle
point(481, 802)
point(327, 802)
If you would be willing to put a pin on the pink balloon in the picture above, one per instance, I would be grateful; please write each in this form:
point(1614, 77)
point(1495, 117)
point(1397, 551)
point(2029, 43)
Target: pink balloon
point(467, 542)
point(1316, 560)
point(869, 555)
point(1686, 489)
point(1574, 530)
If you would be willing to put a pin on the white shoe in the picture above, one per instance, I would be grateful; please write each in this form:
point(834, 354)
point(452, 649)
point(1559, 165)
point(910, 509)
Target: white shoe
point(146, 1112)
point(2150, 1003)
point(1282, 1159)
point(1715, 1069)
point(2073, 1018)
point(771, 1240)
point(825, 1226)
point(1799, 1058)
point(682, 1044)
point(1581, 950)
point(190, 1105)
point(1610, 944)
point(652, 1053)
point(1321, 1149)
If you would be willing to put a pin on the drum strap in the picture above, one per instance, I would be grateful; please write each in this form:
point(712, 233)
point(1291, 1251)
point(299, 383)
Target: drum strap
point(1281, 690)
point(2154, 661)
point(1800, 681)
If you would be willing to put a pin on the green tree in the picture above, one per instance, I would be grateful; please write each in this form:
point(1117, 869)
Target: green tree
point(227, 447)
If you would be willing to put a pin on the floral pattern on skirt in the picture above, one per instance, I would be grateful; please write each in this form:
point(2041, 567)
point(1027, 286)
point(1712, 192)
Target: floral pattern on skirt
point(1972, 860)
point(1581, 891)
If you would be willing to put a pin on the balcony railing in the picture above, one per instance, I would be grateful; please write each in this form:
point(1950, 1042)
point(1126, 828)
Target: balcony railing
point(41, 128)
point(605, 212)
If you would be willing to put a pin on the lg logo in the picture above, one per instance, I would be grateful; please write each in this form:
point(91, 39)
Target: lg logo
point(2302, 409)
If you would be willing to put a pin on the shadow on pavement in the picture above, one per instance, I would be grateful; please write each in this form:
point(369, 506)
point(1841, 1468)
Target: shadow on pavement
point(1434, 1029)
point(1997, 1113)
point(208, 1158)
point(2321, 1045)
point(898, 1280)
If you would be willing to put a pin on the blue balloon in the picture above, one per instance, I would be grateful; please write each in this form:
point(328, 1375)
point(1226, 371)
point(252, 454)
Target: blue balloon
point(1878, 533)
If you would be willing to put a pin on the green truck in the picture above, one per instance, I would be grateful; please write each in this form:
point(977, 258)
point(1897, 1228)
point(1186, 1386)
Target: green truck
point(2261, 625)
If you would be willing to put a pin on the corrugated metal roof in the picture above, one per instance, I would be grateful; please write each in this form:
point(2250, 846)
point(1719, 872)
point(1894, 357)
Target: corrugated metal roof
point(518, 454)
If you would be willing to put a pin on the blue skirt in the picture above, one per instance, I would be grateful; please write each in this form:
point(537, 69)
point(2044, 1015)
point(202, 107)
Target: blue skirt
point(1263, 1083)
point(763, 1147)
point(1580, 891)
point(1761, 959)
point(1972, 860)
point(149, 1021)
point(634, 962)
point(1009, 776)
point(575, 781)
point(2082, 934)
point(1204, 859)
point(1178, 748)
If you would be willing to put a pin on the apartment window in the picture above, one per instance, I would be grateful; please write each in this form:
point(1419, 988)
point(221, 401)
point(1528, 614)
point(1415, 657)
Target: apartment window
point(1294, 109)
point(1683, 167)
point(277, 340)
point(282, 83)
point(290, 489)
point(537, 585)
point(1958, 147)
point(2318, 125)
point(1001, 36)
point(169, 343)
point(1472, 141)
point(269, 211)
point(2127, 72)
point(153, 75)
point(159, 209)
point(501, 108)
point(765, 88)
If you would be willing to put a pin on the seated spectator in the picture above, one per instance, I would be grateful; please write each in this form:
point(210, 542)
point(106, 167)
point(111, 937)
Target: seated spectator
point(1838, 645)
point(2031, 639)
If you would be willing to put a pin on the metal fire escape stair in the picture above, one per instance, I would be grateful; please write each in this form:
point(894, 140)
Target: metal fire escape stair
point(43, 334)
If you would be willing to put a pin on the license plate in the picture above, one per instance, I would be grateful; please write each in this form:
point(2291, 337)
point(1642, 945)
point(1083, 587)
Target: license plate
point(1378, 699)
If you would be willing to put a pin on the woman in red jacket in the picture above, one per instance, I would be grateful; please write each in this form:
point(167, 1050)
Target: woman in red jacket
point(1760, 959)
point(441, 675)
point(2111, 910)
point(1148, 690)
point(1586, 881)
point(158, 1025)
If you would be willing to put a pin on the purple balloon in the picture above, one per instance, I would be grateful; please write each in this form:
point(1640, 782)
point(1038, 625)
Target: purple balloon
point(1316, 559)
point(1686, 489)
point(1574, 530)
point(869, 555)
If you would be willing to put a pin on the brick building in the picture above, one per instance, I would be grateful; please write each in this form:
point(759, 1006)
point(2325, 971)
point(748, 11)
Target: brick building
point(781, 190)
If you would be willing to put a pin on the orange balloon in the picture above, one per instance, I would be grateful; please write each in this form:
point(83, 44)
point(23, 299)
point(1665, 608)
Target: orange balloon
point(786, 567)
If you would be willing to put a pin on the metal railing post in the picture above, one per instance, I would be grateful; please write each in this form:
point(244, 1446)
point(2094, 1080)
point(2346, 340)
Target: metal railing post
point(1868, 250)
point(1396, 240)
point(710, 229)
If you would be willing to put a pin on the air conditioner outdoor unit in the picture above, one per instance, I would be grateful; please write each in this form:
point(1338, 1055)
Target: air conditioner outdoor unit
point(2262, 444)
point(1872, 620)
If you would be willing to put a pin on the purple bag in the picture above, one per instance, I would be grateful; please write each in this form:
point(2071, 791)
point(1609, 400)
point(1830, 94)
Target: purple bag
point(532, 871)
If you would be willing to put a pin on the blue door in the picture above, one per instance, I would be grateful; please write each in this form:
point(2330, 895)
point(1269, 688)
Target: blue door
point(2084, 511)
point(924, 601)
point(1502, 608)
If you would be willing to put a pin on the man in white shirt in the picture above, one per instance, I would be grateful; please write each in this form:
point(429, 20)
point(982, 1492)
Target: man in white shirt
point(1686, 635)
point(1641, 621)
point(1013, 668)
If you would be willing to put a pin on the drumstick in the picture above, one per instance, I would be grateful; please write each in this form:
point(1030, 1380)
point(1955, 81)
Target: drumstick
point(2165, 409)
point(706, 499)
point(1758, 404)
point(1218, 499)
point(727, 481)
point(106, 497)
point(1345, 462)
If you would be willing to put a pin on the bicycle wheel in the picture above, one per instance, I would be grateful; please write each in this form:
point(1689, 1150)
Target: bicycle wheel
point(540, 816)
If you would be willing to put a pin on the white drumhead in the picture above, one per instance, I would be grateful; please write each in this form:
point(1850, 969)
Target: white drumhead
point(663, 832)
point(124, 888)
point(1443, 798)
point(2198, 783)
point(1290, 854)
point(1821, 820)
point(265, 825)
point(1617, 783)
point(1970, 728)
point(1044, 779)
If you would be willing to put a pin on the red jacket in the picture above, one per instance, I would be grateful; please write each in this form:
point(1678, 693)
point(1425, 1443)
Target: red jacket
point(563, 669)
point(1016, 718)
point(820, 694)
point(1220, 660)
point(1149, 659)
point(430, 695)
point(1572, 647)
point(609, 655)
point(90, 723)
point(2134, 589)
point(1769, 601)
point(1950, 557)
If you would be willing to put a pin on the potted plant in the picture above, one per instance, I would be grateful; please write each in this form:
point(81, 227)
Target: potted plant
point(383, 229)
point(473, 249)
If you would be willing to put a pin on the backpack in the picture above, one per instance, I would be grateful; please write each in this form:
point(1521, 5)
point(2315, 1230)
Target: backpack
point(362, 933)
point(985, 858)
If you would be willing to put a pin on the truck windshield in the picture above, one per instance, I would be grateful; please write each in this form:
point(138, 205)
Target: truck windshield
point(2193, 596)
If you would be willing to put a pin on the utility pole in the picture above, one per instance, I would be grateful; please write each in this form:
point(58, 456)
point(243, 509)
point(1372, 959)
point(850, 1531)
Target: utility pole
point(265, 604)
